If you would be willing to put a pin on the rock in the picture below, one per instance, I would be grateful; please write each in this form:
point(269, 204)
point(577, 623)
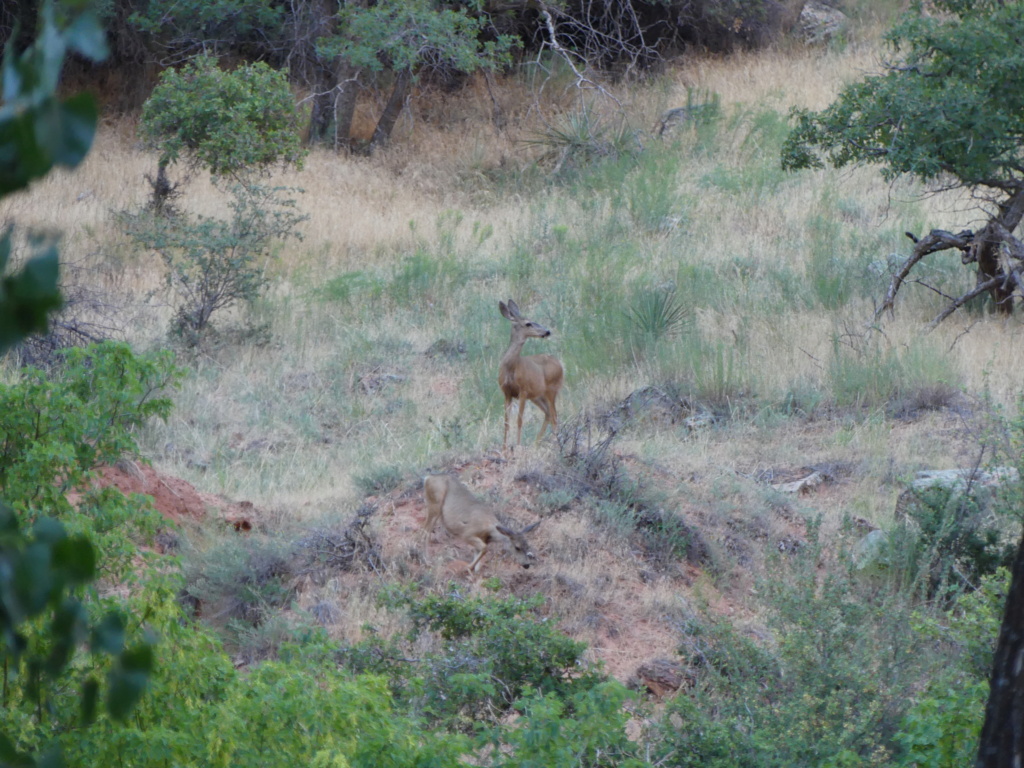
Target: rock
point(871, 554)
point(803, 485)
point(980, 483)
point(662, 676)
point(819, 22)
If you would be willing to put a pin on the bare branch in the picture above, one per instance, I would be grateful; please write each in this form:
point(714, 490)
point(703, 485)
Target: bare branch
point(934, 241)
point(979, 289)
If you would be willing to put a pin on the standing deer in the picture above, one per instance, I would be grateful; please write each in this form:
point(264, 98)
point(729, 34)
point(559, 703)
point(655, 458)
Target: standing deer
point(536, 378)
point(469, 519)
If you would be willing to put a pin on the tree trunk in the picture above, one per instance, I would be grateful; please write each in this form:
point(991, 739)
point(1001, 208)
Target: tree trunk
point(989, 243)
point(334, 107)
point(345, 106)
point(1002, 736)
point(321, 116)
point(989, 267)
point(392, 110)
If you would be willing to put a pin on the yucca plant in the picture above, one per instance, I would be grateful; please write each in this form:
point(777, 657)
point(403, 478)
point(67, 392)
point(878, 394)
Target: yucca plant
point(580, 137)
point(657, 313)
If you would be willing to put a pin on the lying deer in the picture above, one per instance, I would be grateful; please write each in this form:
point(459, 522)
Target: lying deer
point(536, 378)
point(469, 519)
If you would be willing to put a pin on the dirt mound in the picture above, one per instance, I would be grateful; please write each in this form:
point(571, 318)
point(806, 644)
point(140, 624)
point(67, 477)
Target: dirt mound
point(174, 498)
point(599, 596)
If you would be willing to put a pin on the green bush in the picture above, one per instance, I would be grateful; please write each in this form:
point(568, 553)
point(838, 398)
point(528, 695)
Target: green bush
point(829, 688)
point(299, 709)
point(56, 428)
point(230, 122)
point(495, 649)
point(588, 730)
point(951, 538)
point(943, 723)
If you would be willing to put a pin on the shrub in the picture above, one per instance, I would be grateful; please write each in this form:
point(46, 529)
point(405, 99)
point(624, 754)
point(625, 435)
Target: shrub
point(213, 264)
point(298, 709)
point(53, 433)
point(829, 689)
point(582, 137)
point(951, 537)
point(495, 649)
point(657, 313)
point(56, 429)
point(238, 582)
point(588, 730)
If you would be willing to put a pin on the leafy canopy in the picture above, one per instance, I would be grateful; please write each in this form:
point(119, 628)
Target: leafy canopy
point(949, 109)
point(231, 123)
point(187, 26)
point(412, 34)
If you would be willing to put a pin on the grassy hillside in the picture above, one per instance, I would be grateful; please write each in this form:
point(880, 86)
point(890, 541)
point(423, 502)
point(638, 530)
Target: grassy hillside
point(714, 318)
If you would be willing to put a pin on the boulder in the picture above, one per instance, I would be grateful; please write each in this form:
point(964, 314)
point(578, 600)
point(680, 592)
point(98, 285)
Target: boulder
point(820, 22)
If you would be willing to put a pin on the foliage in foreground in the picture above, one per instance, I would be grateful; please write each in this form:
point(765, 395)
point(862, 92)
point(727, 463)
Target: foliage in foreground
point(495, 650)
point(304, 708)
point(851, 679)
point(55, 428)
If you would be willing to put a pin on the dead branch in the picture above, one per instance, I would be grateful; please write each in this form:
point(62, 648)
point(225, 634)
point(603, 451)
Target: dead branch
point(979, 289)
point(581, 79)
point(934, 241)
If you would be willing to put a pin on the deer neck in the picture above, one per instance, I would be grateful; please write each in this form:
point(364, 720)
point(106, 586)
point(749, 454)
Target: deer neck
point(510, 360)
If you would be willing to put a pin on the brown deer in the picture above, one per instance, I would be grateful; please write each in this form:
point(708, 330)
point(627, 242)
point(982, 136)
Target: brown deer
point(536, 378)
point(469, 519)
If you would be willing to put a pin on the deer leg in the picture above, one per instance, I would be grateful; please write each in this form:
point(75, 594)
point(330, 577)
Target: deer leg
point(482, 547)
point(541, 403)
point(508, 406)
point(522, 409)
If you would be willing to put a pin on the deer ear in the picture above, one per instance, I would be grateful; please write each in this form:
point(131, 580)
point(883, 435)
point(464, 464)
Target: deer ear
point(504, 311)
point(502, 529)
point(514, 309)
point(529, 528)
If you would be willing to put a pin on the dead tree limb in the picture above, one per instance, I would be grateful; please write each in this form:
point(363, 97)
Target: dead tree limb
point(934, 241)
point(954, 305)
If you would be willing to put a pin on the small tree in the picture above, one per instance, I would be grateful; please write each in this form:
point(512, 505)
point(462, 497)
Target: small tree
point(234, 124)
point(947, 111)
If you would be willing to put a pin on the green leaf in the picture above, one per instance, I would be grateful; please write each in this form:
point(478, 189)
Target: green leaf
point(27, 298)
point(90, 700)
point(86, 36)
point(66, 129)
point(109, 635)
point(52, 758)
point(21, 157)
point(48, 530)
point(77, 557)
point(10, 756)
point(33, 578)
point(67, 628)
point(128, 681)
